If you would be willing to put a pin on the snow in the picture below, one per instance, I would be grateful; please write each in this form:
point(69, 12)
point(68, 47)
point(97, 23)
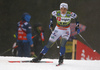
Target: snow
point(68, 64)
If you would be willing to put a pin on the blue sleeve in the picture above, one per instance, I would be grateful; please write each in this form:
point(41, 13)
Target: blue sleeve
point(29, 34)
point(29, 38)
point(51, 19)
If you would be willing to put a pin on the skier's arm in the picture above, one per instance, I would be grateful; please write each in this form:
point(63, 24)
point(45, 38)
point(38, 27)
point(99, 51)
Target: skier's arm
point(77, 25)
point(74, 16)
point(52, 15)
point(77, 22)
point(51, 22)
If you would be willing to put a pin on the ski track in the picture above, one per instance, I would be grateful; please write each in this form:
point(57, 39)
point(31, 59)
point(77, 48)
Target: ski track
point(67, 65)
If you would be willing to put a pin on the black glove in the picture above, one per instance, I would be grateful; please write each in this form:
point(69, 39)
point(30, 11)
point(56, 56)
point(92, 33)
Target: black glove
point(76, 28)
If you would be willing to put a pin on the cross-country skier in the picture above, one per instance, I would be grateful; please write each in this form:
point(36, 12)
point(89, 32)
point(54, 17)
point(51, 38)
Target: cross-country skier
point(63, 17)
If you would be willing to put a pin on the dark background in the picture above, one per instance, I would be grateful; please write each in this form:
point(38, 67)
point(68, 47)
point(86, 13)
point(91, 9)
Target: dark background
point(88, 12)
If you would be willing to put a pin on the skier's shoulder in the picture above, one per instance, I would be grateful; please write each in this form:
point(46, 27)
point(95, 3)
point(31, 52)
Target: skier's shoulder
point(55, 12)
point(73, 15)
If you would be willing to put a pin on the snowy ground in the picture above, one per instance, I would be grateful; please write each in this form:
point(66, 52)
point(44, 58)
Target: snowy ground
point(68, 64)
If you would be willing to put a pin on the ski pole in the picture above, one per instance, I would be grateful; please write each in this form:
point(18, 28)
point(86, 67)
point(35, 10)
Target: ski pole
point(5, 51)
point(56, 41)
point(86, 42)
point(13, 47)
point(57, 44)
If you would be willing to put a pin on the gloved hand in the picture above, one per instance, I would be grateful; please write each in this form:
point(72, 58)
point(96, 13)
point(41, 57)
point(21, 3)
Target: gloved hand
point(77, 29)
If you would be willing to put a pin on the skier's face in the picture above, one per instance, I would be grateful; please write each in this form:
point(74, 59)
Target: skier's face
point(63, 10)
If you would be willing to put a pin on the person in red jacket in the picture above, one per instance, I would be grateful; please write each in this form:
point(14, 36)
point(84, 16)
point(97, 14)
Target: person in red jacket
point(39, 38)
point(24, 36)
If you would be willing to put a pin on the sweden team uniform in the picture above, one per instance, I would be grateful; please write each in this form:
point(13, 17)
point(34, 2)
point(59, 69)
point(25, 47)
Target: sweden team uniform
point(63, 25)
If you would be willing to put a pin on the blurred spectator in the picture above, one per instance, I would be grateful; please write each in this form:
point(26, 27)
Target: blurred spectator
point(24, 36)
point(39, 38)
